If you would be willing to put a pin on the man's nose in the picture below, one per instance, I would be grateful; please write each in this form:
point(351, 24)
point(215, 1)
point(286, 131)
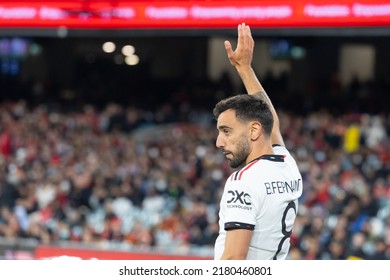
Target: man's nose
point(219, 143)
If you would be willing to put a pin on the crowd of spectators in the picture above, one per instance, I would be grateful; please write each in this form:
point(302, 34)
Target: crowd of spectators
point(152, 180)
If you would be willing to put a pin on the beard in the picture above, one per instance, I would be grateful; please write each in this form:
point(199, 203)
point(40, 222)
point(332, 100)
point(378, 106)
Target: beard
point(239, 157)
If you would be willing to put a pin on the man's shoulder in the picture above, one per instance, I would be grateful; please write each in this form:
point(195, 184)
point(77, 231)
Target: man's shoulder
point(279, 149)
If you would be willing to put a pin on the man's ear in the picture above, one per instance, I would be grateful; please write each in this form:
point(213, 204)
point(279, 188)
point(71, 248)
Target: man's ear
point(256, 129)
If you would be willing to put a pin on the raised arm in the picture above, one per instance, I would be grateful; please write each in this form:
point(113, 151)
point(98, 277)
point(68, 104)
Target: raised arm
point(241, 59)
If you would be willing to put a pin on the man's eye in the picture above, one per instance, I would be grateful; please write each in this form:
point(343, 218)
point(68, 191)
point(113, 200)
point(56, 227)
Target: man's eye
point(226, 132)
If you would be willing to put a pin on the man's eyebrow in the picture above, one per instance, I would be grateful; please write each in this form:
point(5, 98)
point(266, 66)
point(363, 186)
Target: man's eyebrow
point(223, 127)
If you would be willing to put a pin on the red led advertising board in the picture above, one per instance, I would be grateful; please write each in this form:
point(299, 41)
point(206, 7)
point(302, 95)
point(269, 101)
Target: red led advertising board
point(111, 14)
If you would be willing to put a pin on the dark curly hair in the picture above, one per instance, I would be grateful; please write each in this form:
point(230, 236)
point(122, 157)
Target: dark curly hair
point(247, 108)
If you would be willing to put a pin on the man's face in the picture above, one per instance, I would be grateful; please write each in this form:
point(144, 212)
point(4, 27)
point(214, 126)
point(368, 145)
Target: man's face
point(233, 138)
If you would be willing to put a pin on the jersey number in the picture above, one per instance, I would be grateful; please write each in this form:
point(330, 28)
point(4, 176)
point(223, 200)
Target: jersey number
point(286, 233)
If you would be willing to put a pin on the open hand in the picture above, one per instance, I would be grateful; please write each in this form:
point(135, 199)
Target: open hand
point(242, 56)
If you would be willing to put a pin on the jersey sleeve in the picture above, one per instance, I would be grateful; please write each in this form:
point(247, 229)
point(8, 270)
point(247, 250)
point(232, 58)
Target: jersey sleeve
point(240, 201)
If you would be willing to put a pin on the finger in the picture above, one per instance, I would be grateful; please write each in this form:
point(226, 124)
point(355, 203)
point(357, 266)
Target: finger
point(228, 48)
point(240, 39)
point(248, 40)
point(252, 42)
point(246, 34)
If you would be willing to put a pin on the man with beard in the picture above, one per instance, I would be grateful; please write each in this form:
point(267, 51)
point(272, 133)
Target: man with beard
point(260, 199)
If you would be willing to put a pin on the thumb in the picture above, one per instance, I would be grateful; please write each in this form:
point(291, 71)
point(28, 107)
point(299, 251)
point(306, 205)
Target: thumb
point(228, 48)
